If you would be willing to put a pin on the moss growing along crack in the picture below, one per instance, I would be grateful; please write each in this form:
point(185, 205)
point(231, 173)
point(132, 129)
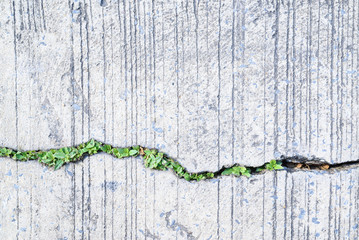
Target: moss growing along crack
point(153, 159)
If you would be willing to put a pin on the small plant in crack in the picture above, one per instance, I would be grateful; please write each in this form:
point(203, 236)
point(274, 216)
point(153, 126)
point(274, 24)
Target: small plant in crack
point(155, 160)
point(5, 152)
point(271, 166)
point(274, 165)
point(238, 171)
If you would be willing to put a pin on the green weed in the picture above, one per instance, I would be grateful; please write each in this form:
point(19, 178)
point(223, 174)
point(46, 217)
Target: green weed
point(153, 159)
point(238, 171)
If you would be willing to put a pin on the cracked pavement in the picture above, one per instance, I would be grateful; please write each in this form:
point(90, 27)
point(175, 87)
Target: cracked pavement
point(211, 84)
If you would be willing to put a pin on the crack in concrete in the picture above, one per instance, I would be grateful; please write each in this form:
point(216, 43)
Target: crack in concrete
point(157, 160)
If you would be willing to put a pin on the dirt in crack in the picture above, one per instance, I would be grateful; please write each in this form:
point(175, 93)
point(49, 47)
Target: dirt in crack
point(157, 160)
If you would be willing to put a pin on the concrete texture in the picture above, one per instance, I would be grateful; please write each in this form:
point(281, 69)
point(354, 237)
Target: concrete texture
point(209, 83)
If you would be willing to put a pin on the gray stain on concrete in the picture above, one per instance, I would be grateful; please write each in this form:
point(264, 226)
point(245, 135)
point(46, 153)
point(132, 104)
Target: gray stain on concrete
point(53, 121)
point(111, 185)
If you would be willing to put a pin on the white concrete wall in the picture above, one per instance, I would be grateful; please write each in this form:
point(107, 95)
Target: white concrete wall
point(210, 84)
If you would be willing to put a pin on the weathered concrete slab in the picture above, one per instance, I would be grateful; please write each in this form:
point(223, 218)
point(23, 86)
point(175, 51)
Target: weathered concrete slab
point(210, 83)
point(282, 205)
point(213, 82)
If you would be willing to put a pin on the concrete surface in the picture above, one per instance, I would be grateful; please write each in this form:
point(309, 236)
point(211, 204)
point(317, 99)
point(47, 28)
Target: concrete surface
point(210, 83)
